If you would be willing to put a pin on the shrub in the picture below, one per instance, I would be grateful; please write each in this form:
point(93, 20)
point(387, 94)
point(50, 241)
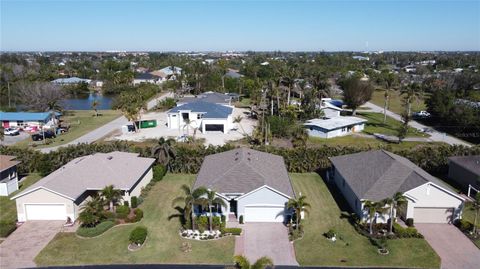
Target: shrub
point(159, 172)
point(134, 201)
point(202, 223)
point(138, 235)
point(210, 237)
point(234, 231)
point(122, 211)
point(241, 219)
point(409, 222)
point(408, 232)
point(125, 203)
point(138, 214)
point(7, 227)
point(97, 230)
point(109, 215)
point(216, 222)
point(464, 225)
point(330, 234)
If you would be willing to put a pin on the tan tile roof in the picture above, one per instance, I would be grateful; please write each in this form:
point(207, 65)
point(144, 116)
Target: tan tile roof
point(7, 162)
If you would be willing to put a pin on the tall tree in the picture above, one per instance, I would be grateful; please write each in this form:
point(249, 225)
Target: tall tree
point(373, 208)
point(299, 205)
point(210, 200)
point(388, 80)
point(164, 151)
point(411, 92)
point(112, 196)
point(191, 198)
point(356, 92)
point(393, 203)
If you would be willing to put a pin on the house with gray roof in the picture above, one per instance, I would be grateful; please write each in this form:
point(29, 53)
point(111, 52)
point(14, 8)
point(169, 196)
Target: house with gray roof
point(253, 184)
point(465, 171)
point(61, 194)
point(223, 99)
point(376, 175)
point(201, 115)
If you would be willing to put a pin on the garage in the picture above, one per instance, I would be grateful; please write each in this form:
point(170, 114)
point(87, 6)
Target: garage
point(432, 215)
point(45, 212)
point(264, 213)
point(214, 127)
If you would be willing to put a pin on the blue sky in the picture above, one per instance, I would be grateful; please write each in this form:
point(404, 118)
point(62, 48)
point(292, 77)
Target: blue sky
point(239, 25)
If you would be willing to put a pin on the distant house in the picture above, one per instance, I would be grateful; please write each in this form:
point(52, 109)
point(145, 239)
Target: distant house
point(333, 127)
point(8, 175)
point(201, 115)
point(376, 175)
point(71, 81)
point(465, 170)
point(232, 73)
point(253, 184)
point(23, 119)
point(361, 58)
point(61, 194)
point(146, 78)
point(330, 110)
point(224, 99)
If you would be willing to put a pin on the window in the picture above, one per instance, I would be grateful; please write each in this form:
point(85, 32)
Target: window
point(20, 123)
point(174, 116)
point(199, 116)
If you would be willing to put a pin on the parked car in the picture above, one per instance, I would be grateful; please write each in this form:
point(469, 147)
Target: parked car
point(11, 131)
point(40, 135)
point(421, 114)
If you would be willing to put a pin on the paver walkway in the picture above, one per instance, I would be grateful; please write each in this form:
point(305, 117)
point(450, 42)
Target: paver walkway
point(454, 248)
point(266, 239)
point(23, 245)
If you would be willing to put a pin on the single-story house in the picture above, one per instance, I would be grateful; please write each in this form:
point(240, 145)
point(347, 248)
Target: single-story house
point(146, 78)
point(8, 175)
point(465, 170)
point(376, 175)
point(329, 109)
point(22, 119)
point(71, 81)
point(61, 194)
point(201, 115)
point(333, 127)
point(224, 99)
point(253, 184)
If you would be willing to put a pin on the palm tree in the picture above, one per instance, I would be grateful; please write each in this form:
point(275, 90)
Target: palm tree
point(411, 92)
point(91, 211)
point(95, 104)
point(242, 262)
point(299, 205)
point(192, 197)
point(111, 196)
point(164, 151)
point(209, 201)
point(238, 119)
point(299, 136)
point(476, 207)
point(373, 208)
point(393, 203)
point(388, 81)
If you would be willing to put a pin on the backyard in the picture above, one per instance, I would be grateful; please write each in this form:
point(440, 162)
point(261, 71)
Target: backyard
point(162, 245)
point(352, 249)
point(81, 122)
point(396, 101)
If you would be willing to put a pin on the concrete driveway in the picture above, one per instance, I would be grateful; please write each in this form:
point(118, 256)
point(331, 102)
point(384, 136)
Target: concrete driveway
point(23, 245)
point(453, 247)
point(265, 239)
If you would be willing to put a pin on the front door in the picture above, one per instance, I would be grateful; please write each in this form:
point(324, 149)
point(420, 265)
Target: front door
point(233, 206)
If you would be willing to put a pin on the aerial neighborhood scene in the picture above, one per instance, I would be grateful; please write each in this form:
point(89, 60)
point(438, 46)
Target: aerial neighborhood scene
point(240, 134)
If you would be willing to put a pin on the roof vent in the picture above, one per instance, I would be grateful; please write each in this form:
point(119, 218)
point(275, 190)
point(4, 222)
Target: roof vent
point(248, 159)
point(109, 157)
point(236, 159)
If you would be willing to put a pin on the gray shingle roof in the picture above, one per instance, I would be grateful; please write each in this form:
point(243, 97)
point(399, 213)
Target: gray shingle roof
point(376, 175)
point(211, 110)
point(209, 97)
point(471, 163)
point(243, 170)
point(94, 172)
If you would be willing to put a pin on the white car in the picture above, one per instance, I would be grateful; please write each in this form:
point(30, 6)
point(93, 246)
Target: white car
point(11, 131)
point(422, 114)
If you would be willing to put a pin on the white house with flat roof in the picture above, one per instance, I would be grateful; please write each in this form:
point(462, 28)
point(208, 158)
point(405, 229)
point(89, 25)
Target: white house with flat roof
point(333, 127)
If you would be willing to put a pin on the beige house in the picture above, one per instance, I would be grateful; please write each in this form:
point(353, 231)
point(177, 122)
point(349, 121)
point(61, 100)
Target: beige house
point(61, 194)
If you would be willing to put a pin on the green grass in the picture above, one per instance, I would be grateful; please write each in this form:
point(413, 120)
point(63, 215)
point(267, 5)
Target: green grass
point(8, 209)
point(373, 143)
point(390, 127)
point(81, 122)
point(396, 102)
point(162, 245)
point(469, 215)
point(244, 103)
point(315, 249)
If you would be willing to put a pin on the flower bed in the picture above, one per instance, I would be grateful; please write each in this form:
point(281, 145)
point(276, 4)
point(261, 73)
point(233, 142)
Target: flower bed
point(197, 235)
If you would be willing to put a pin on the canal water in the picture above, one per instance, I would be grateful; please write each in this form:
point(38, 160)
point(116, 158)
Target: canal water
point(84, 102)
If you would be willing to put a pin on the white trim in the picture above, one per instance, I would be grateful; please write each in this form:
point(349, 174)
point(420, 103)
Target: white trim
point(265, 205)
point(441, 188)
point(264, 186)
point(44, 188)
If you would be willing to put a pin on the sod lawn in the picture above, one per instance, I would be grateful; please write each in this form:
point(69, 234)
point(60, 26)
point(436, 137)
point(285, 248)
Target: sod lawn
point(352, 249)
point(81, 122)
point(390, 127)
point(396, 101)
point(162, 245)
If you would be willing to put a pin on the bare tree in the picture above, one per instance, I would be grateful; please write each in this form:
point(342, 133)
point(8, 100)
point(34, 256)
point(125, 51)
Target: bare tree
point(40, 96)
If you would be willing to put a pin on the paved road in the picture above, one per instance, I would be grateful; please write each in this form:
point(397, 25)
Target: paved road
point(107, 128)
point(255, 238)
point(434, 136)
point(24, 244)
point(455, 250)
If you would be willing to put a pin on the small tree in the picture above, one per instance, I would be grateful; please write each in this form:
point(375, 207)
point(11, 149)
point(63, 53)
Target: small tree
point(356, 92)
point(242, 262)
point(95, 105)
point(403, 129)
point(299, 205)
point(112, 196)
point(209, 201)
point(373, 208)
point(393, 203)
point(192, 197)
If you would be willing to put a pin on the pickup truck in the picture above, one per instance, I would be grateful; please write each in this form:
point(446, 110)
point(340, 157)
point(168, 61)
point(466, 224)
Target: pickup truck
point(39, 136)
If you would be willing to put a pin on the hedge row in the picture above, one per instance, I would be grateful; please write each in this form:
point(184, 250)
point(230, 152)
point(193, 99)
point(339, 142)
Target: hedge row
point(97, 230)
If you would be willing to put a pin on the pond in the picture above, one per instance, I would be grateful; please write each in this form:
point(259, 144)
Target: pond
point(84, 102)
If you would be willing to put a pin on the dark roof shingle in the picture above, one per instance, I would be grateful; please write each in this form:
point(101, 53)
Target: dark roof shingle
point(471, 163)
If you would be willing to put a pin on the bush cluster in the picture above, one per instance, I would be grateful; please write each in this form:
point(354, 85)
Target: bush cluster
point(134, 201)
point(159, 172)
point(138, 235)
point(97, 230)
point(464, 225)
point(122, 212)
point(234, 231)
point(408, 232)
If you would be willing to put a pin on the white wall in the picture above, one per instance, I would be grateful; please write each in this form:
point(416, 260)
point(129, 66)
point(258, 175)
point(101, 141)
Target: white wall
point(42, 196)
point(317, 132)
point(263, 196)
point(431, 195)
point(138, 188)
point(8, 187)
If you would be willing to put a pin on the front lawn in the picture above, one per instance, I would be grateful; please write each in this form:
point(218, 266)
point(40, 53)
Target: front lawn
point(81, 122)
point(396, 102)
point(163, 242)
point(353, 249)
point(390, 127)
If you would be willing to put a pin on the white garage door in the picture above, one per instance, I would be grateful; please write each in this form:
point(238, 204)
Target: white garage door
point(45, 212)
point(432, 215)
point(264, 213)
